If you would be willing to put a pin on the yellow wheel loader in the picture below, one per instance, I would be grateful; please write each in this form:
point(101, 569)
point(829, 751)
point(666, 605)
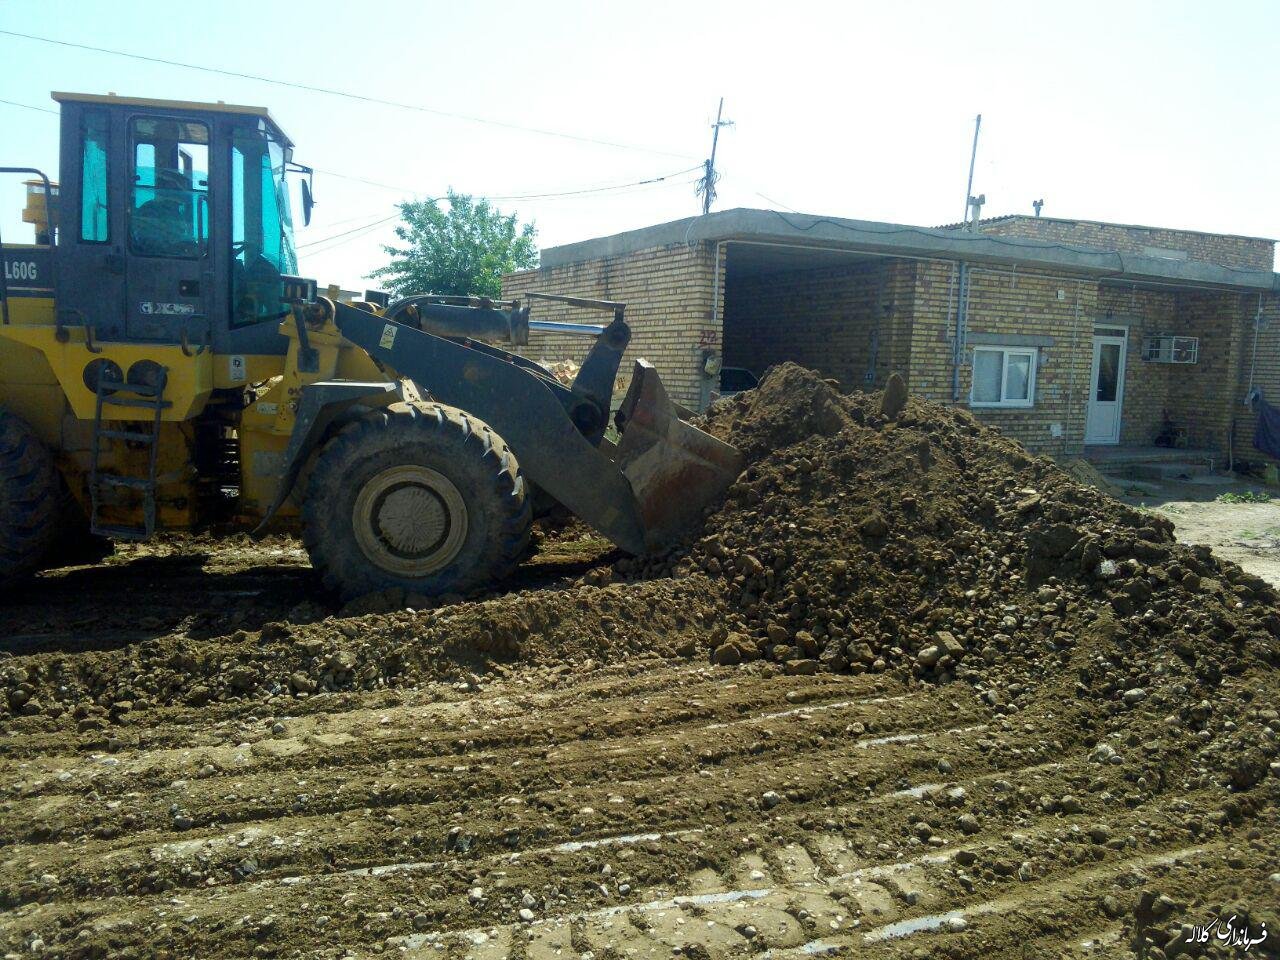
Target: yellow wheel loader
point(163, 366)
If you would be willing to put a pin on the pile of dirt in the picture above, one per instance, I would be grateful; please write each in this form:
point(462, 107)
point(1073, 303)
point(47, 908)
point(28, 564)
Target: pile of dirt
point(908, 691)
point(929, 544)
point(912, 541)
point(856, 541)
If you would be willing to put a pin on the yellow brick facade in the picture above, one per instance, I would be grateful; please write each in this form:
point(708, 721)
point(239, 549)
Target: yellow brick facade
point(1005, 306)
point(1259, 367)
point(1243, 253)
point(859, 321)
point(669, 293)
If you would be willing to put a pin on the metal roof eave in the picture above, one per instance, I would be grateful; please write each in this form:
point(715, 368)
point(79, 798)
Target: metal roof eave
point(746, 225)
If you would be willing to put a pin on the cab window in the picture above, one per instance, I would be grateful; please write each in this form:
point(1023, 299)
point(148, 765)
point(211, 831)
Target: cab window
point(262, 246)
point(169, 212)
point(94, 225)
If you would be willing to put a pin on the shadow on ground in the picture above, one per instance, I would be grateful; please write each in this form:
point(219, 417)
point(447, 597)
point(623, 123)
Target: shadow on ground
point(214, 589)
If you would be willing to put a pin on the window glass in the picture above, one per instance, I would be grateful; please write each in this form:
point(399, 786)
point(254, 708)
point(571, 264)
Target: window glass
point(988, 371)
point(262, 245)
point(1003, 377)
point(169, 214)
point(1108, 369)
point(1017, 384)
point(94, 226)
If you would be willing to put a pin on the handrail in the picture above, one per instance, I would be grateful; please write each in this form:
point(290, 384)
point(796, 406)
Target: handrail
point(200, 348)
point(48, 200)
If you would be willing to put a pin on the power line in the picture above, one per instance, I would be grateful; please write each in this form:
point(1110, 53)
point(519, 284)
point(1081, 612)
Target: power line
point(518, 196)
point(371, 183)
point(573, 193)
point(399, 189)
point(328, 91)
point(367, 226)
point(776, 203)
point(28, 106)
point(620, 187)
point(359, 232)
point(326, 246)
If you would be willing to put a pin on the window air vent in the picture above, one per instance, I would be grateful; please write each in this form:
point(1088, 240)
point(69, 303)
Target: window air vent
point(1164, 349)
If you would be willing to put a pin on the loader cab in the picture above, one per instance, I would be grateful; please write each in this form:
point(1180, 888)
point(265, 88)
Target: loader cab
point(176, 225)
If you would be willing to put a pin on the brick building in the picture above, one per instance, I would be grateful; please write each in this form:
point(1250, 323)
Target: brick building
point(1064, 333)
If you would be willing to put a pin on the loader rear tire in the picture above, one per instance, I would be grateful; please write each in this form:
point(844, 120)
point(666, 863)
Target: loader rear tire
point(417, 496)
point(29, 500)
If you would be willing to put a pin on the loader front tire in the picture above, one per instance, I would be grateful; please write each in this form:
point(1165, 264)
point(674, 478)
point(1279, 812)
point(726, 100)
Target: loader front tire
point(29, 499)
point(418, 496)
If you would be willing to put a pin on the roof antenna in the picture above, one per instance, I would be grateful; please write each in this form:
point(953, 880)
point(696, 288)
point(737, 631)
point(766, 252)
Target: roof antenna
point(968, 191)
point(975, 205)
point(1037, 204)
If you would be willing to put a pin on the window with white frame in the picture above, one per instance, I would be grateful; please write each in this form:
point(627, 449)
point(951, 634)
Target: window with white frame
point(1003, 377)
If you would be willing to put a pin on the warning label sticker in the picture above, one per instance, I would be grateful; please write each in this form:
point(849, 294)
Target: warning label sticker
point(388, 337)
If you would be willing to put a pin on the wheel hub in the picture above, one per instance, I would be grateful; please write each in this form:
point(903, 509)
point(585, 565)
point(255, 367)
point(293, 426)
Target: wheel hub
point(410, 520)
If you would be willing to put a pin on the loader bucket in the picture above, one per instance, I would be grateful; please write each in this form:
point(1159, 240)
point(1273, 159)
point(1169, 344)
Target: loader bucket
point(675, 470)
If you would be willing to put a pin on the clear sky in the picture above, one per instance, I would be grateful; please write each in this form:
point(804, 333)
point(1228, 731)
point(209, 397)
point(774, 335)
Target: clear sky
point(1158, 113)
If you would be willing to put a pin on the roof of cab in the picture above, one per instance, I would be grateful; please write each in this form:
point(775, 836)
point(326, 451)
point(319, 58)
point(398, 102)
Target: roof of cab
point(175, 105)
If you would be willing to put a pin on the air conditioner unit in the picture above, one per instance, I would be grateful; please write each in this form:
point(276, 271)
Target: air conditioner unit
point(1165, 349)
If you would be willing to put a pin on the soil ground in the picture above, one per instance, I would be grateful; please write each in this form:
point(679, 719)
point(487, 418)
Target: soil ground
point(1248, 532)
point(205, 757)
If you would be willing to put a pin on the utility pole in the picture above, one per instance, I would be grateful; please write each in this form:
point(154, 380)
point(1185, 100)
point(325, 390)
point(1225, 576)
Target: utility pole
point(707, 186)
point(968, 191)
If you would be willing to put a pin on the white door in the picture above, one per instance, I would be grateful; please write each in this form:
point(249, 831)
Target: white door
point(1106, 394)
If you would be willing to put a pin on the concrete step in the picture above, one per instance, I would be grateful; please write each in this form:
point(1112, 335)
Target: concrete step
point(1185, 470)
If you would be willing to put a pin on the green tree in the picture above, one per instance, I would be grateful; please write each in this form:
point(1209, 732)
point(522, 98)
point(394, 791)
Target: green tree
point(462, 250)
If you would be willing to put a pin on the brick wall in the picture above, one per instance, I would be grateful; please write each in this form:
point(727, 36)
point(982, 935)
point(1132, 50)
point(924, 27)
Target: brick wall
point(1228, 251)
point(1196, 397)
point(1259, 366)
point(669, 296)
point(1056, 313)
point(1202, 393)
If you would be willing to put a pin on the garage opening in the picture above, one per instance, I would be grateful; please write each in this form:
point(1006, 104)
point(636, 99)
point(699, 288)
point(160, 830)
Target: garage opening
point(835, 311)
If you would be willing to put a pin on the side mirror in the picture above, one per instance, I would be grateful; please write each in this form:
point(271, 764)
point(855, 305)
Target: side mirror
point(308, 202)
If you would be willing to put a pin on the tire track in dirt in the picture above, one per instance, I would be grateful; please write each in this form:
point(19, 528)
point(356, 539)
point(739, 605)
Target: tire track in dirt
point(828, 826)
point(467, 785)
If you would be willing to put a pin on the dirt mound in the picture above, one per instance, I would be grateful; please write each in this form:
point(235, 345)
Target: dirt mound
point(933, 545)
point(1032, 718)
point(864, 542)
point(924, 544)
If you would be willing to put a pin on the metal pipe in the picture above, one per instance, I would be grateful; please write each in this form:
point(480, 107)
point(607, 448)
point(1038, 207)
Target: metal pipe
point(558, 326)
point(715, 290)
point(456, 323)
point(962, 319)
point(53, 217)
point(1253, 356)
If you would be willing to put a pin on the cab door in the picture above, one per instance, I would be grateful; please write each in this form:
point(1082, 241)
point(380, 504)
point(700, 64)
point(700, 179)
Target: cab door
point(168, 278)
point(90, 254)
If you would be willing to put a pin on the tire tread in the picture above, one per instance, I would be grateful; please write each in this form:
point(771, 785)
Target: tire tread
point(422, 418)
point(28, 500)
